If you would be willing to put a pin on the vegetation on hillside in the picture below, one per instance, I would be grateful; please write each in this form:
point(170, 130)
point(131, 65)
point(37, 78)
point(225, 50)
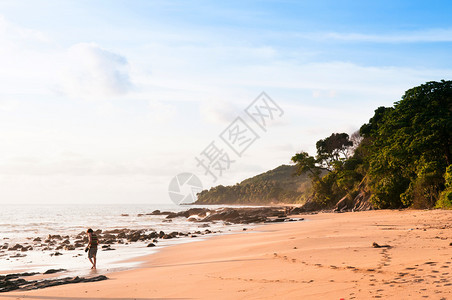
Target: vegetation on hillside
point(402, 156)
point(278, 185)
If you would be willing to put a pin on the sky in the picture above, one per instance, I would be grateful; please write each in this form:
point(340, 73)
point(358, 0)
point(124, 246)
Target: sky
point(108, 101)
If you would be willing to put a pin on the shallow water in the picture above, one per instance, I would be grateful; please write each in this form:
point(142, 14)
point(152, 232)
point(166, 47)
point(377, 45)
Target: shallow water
point(21, 224)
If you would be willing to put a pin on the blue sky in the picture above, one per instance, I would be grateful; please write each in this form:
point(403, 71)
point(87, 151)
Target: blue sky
point(107, 101)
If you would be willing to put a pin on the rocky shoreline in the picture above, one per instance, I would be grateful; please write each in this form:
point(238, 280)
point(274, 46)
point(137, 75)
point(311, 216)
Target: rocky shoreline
point(58, 245)
point(108, 238)
point(11, 282)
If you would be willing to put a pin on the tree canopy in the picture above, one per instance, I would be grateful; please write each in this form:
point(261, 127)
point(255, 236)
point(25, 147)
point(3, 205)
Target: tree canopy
point(402, 156)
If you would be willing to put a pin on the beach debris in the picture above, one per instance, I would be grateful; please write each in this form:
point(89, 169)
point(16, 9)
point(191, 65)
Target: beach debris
point(375, 245)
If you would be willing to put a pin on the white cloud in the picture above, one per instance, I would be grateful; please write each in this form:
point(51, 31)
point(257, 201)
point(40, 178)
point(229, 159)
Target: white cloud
point(91, 71)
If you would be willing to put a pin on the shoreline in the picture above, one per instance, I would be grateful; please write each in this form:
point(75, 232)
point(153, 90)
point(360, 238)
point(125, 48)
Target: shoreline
point(65, 250)
point(331, 256)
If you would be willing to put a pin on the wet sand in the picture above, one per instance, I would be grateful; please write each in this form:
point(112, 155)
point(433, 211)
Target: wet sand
point(329, 256)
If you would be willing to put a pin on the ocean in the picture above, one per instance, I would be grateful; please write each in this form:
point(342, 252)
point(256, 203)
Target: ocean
point(20, 224)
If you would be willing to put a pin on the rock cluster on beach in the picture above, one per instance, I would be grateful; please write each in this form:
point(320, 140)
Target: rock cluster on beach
point(11, 282)
point(57, 244)
point(240, 215)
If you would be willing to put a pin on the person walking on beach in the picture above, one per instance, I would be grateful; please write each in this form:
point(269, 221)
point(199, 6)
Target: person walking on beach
point(92, 247)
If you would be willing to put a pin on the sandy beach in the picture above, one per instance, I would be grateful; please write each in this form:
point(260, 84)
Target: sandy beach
point(329, 256)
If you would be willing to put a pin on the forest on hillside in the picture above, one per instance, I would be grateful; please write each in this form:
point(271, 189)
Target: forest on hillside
point(401, 158)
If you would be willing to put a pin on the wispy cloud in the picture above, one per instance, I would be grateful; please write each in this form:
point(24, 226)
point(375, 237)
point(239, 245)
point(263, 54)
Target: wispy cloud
point(430, 35)
point(92, 71)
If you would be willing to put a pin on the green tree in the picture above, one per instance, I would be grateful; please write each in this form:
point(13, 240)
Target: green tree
point(410, 147)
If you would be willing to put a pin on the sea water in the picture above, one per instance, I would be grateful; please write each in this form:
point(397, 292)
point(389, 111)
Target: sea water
point(20, 224)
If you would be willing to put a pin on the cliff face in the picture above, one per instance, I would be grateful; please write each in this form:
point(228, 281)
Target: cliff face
point(279, 185)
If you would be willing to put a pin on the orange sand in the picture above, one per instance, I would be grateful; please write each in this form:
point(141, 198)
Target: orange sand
point(328, 257)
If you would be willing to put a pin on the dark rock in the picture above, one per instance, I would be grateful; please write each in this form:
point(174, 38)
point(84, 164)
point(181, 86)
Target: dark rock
point(16, 247)
point(200, 212)
point(112, 241)
point(279, 219)
point(22, 284)
point(38, 239)
point(116, 231)
point(107, 236)
point(243, 215)
point(52, 271)
point(18, 255)
point(135, 235)
point(151, 245)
